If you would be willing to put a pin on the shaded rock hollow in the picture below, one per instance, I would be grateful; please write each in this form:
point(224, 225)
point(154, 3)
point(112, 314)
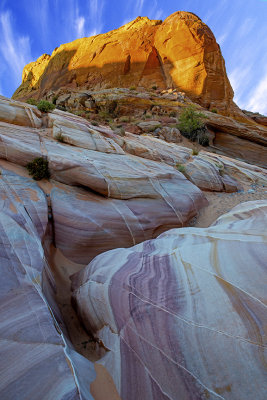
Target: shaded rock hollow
point(180, 52)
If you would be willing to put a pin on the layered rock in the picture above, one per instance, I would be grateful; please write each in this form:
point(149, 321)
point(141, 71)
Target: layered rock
point(239, 139)
point(36, 361)
point(179, 52)
point(183, 315)
point(110, 190)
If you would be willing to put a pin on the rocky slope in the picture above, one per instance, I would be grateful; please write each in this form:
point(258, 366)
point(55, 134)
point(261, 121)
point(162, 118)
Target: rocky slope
point(107, 191)
point(156, 112)
point(180, 52)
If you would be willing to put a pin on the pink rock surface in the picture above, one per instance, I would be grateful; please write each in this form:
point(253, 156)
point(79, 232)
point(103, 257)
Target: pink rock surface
point(36, 363)
point(183, 315)
point(86, 224)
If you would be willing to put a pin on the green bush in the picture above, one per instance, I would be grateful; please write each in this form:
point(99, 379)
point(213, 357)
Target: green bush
point(192, 126)
point(195, 152)
point(60, 138)
point(38, 169)
point(203, 140)
point(173, 114)
point(45, 106)
point(180, 168)
point(54, 99)
point(214, 110)
point(132, 88)
point(33, 102)
point(154, 87)
point(124, 118)
point(94, 123)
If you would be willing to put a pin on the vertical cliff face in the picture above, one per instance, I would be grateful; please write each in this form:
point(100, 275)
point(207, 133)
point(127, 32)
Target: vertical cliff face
point(192, 60)
point(180, 52)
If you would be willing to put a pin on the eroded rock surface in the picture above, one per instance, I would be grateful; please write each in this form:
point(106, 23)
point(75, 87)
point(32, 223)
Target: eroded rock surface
point(36, 362)
point(108, 190)
point(178, 52)
point(183, 315)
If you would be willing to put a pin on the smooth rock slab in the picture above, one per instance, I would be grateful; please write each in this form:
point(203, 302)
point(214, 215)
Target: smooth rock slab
point(86, 224)
point(36, 361)
point(15, 112)
point(184, 315)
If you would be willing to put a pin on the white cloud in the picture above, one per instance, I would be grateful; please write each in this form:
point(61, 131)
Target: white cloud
point(96, 8)
point(221, 39)
point(15, 50)
point(246, 27)
point(139, 7)
point(154, 11)
point(79, 25)
point(237, 78)
point(258, 97)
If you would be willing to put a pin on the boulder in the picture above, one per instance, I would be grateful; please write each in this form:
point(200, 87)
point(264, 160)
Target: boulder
point(14, 112)
point(171, 135)
point(148, 126)
point(183, 315)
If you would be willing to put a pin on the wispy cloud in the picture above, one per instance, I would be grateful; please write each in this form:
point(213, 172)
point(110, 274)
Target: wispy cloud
point(96, 8)
point(237, 78)
point(15, 50)
point(246, 27)
point(79, 26)
point(258, 96)
point(154, 11)
point(222, 38)
point(138, 7)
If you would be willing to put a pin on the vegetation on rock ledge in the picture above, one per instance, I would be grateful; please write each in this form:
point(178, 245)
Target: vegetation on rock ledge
point(192, 126)
point(45, 106)
point(38, 169)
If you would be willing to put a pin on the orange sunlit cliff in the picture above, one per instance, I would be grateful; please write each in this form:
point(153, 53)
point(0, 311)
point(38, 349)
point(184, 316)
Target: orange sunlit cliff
point(180, 52)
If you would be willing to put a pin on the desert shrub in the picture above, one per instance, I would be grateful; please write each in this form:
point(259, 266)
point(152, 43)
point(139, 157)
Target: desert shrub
point(33, 102)
point(60, 138)
point(45, 106)
point(124, 119)
point(110, 108)
point(180, 168)
point(203, 140)
point(221, 169)
point(154, 87)
point(192, 126)
point(54, 99)
point(38, 169)
point(77, 112)
point(132, 88)
point(94, 123)
point(195, 152)
point(214, 110)
point(173, 114)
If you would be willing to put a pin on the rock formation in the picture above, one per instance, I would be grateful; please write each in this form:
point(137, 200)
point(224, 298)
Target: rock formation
point(180, 52)
point(184, 315)
point(37, 360)
point(109, 189)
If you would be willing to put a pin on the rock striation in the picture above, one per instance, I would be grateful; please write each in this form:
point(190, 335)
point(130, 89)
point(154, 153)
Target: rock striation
point(107, 190)
point(180, 52)
point(36, 361)
point(183, 315)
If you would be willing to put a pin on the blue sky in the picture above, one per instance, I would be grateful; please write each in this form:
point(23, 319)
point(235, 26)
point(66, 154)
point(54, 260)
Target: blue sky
point(29, 28)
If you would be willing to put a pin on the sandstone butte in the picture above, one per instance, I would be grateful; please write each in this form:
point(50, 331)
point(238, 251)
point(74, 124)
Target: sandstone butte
point(180, 52)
